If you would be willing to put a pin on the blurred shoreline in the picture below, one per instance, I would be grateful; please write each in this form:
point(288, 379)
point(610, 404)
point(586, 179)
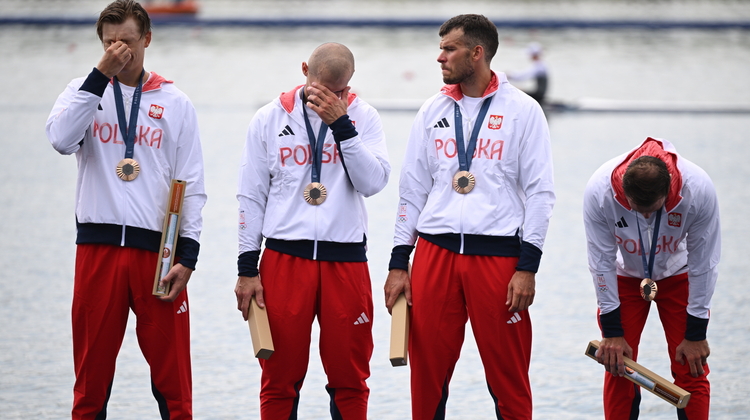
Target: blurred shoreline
point(677, 10)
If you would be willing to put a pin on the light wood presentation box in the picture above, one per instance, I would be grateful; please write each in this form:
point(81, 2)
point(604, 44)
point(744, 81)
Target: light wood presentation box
point(260, 331)
point(399, 332)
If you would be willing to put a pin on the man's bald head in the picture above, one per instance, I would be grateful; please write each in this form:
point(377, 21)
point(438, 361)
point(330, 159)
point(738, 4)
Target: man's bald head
point(331, 63)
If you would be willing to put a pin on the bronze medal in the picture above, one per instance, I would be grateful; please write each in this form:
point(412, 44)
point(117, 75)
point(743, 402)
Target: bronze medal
point(128, 169)
point(463, 182)
point(648, 290)
point(315, 193)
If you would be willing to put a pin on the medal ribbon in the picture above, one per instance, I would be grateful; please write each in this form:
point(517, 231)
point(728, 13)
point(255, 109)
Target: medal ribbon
point(128, 130)
point(464, 157)
point(648, 267)
point(316, 146)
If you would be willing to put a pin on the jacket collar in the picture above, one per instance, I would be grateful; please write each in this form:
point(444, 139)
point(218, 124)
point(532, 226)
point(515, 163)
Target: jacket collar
point(154, 82)
point(454, 91)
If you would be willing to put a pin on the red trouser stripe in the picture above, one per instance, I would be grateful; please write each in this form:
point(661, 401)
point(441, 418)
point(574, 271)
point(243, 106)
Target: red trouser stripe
point(671, 302)
point(109, 281)
point(448, 289)
point(296, 290)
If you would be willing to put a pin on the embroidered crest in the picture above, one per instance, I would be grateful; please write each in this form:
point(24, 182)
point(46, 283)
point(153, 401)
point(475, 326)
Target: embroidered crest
point(496, 121)
point(155, 111)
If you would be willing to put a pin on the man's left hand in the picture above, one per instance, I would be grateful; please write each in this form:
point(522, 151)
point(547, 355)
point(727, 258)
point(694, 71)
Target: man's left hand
point(178, 275)
point(521, 291)
point(695, 353)
point(327, 104)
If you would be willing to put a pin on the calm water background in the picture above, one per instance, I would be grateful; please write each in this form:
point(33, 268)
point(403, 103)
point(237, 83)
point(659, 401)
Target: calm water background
point(230, 72)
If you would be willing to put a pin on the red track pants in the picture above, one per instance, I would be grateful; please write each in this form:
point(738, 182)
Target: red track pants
point(296, 290)
point(621, 397)
point(447, 289)
point(109, 281)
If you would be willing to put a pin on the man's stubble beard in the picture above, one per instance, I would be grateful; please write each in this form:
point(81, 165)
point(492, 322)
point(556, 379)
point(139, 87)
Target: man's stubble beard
point(467, 74)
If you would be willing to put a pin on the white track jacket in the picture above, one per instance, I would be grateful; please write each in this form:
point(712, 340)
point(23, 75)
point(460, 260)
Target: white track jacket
point(276, 167)
point(512, 163)
point(689, 235)
point(167, 146)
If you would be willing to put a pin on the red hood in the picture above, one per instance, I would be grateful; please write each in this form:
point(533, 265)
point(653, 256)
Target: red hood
point(454, 91)
point(287, 99)
point(655, 148)
point(154, 82)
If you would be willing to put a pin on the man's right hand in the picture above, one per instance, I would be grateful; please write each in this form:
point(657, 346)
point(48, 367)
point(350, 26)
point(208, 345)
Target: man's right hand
point(115, 57)
point(398, 282)
point(246, 288)
point(611, 352)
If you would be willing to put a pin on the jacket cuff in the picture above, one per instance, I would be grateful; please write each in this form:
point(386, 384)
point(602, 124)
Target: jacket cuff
point(400, 257)
point(343, 129)
point(247, 263)
point(95, 83)
point(187, 252)
point(611, 325)
point(530, 258)
point(696, 328)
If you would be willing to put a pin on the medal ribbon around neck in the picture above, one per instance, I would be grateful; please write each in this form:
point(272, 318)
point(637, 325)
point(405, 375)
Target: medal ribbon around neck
point(463, 180)
point(315, 193)
point(128, 168)
point(648, 286)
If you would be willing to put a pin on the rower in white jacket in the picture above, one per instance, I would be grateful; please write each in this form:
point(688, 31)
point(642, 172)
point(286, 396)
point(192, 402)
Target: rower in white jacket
point(481, 217)
point(131, 132)
point(310, 158)
point(674, 241)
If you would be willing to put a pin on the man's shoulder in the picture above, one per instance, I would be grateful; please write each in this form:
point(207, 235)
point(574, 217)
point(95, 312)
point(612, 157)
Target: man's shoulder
point(514, 98)
point(359, 108)
point(600, 181)
point(269, 116)
point(436, 103)
point(689, 168)
point(272, 109)
point(695, 180)
point(77, 82)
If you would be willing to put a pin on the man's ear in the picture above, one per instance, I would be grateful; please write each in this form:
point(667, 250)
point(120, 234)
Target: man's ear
point(477, 53)
point(304, 68)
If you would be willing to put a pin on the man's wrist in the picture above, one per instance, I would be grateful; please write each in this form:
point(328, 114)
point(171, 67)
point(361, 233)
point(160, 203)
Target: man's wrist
point(400, 257)
point(696, 328)
point(95, 83)
point(611, 324)
point(343, 129)
point(247, 263)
